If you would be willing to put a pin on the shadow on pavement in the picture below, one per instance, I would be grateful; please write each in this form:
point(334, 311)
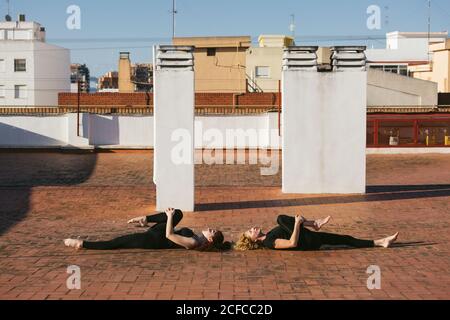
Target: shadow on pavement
point(20, 172)
point(374, 193)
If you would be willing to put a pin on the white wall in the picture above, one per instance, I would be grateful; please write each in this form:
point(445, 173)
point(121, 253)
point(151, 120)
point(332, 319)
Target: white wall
point(324, 132)
point(402, 46)
point(122, 131)
point(26, 131)
point(114, 130)
point(237, 132)
point(137, 132)
point(47, 72)
point(52, 73)
point(10, 50)
point(389, 89)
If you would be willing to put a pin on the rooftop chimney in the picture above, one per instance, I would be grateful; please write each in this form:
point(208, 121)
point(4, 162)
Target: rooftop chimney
point(125, 84)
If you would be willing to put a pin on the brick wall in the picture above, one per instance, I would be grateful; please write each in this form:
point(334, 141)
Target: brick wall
point(142, 99)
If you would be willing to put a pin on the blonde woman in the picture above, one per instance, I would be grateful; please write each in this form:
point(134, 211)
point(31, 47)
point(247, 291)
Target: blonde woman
point(292, 234)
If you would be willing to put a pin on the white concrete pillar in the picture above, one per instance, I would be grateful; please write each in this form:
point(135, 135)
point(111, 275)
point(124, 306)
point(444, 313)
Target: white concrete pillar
point(324, 123)
point(174, 127)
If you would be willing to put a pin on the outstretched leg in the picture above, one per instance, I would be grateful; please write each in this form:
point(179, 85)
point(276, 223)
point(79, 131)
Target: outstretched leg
point(332, 239)
point(154, 238)
point(322, 238)
point(131, 241)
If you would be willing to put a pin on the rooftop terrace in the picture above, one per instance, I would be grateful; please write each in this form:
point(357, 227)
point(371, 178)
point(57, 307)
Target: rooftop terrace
point(47, 197)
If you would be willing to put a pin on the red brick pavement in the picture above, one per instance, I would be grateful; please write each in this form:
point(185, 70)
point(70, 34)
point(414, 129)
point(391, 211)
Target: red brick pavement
point(47, 197)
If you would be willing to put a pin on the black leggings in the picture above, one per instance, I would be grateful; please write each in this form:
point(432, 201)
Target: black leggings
point(153, 238)
point(310, 240)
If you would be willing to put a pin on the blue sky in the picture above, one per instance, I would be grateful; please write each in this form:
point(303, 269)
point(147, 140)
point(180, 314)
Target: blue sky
point(108, 27)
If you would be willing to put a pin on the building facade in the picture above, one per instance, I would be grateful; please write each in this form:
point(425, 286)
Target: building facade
point(403, 50)
point(79, 73)
point(220, 62)
point(263, 63)
point(32, 72)
point(109, 82)
point(438, 70)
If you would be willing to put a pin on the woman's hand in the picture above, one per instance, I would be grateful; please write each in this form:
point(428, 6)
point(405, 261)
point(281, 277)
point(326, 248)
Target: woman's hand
point(170, 212)
point(299, 219)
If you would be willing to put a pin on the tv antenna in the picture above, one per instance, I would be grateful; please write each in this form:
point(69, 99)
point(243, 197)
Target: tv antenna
point(429, 29)
point(174, 12)
point(8, 15)
point(292, 26)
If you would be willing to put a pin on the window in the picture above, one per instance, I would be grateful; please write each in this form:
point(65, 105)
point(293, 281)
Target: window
point(2, 91)
point(2, 65)
point(403, 70)
point(211, 52)
point(20, 65)
point(20, 92)
point(398, 69)
point(392, 69)
point(262, 72)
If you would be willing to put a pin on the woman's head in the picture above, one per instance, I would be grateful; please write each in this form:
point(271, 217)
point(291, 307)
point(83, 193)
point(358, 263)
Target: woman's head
point(250, 240)
point(215, 240)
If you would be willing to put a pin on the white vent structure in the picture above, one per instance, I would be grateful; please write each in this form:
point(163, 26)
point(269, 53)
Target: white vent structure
point(174, 101)
point(300, 58)
point(175, 57)
point(324, 122)
point(348, 58)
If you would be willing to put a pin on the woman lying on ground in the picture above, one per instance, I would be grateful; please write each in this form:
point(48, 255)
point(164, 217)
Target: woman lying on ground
point(291, 234)
point(160, 236)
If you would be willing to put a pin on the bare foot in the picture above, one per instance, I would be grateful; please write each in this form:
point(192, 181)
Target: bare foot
point(387, 242)
point(73, 243)
point(319, 223)
point(141, 221)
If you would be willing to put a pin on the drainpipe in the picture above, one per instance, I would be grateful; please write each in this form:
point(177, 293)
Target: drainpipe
point(78, 107)
point(235, 99)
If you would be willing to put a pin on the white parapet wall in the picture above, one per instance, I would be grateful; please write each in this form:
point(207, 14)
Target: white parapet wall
point(134, 132)
point(121, 131)
point(174, 128)
point(33, 132)
point(324, 131)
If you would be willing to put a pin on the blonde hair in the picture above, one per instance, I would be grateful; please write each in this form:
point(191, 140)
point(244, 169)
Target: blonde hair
point(245, 243)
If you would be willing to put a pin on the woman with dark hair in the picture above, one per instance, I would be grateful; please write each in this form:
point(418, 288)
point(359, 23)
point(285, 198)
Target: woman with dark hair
point(162, 235)
point(291, 234)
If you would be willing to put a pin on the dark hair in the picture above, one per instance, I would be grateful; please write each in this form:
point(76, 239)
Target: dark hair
point(218, 242)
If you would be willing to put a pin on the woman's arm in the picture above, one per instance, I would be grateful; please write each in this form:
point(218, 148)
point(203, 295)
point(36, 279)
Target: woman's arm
point(293, 241)
point(188, 243)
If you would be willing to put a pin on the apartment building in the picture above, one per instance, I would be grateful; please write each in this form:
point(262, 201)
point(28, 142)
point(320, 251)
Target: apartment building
point(263, 63)
point(32, 72)
point(438, 69)
point(404, 50)
point(220, 62)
